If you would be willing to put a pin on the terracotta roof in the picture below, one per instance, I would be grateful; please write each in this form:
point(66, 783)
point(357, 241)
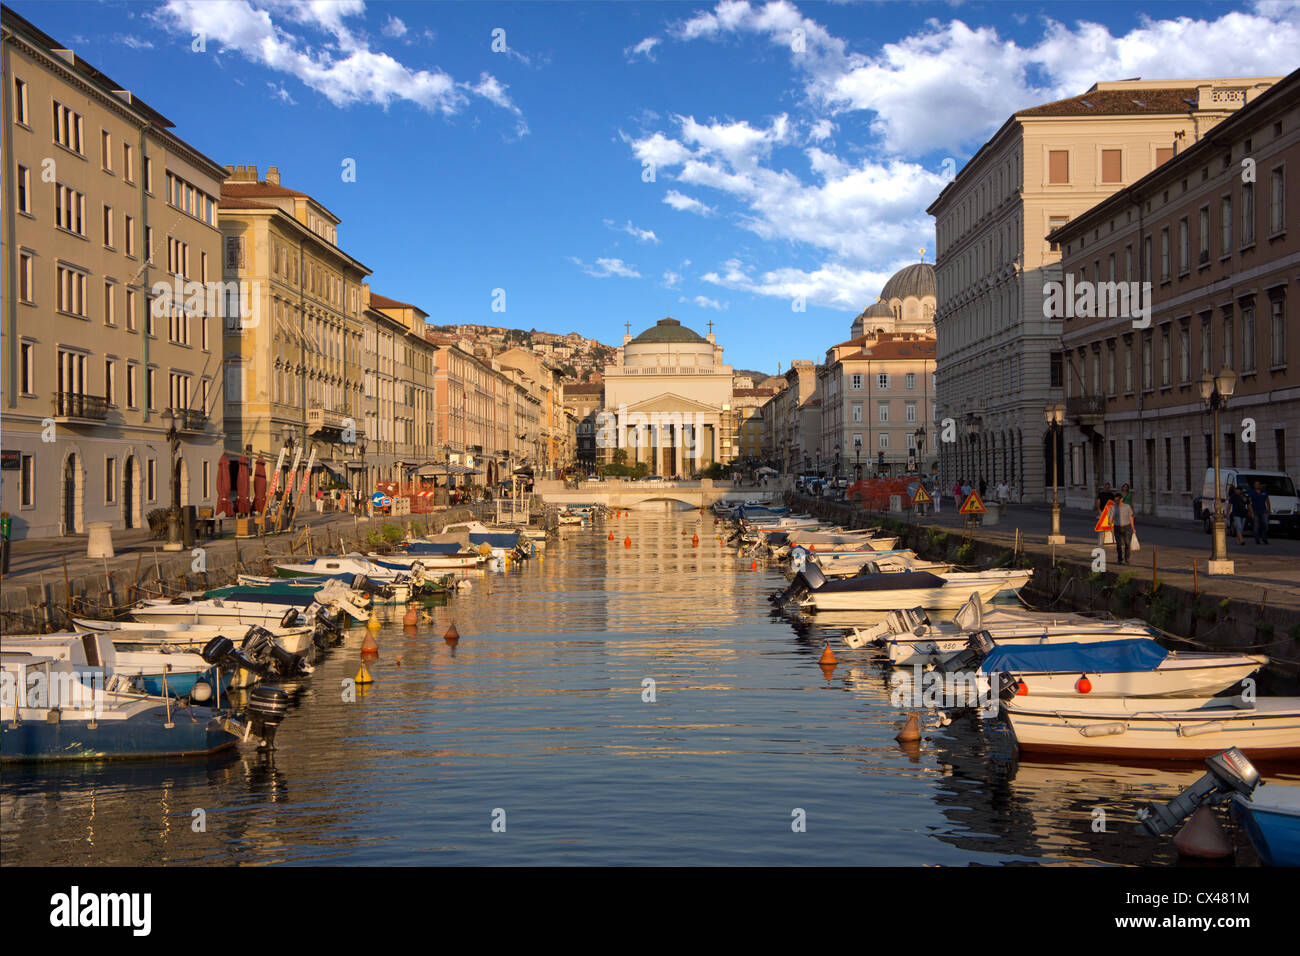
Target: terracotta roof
point(1117, 102)
point(752, 392)
point(383, 302)
point(584, 388)
point(229, 202)
point(259, 188)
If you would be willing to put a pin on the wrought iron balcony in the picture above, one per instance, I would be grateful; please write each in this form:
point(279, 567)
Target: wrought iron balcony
point(79, 407)
point(189, 419)
point(1086, 408)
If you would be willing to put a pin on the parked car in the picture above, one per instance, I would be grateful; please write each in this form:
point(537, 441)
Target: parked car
point(1284, 515)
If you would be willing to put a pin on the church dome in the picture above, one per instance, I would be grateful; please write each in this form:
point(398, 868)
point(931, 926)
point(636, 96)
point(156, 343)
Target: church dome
point(916, 280)
point(666, 331)
point(877, 310)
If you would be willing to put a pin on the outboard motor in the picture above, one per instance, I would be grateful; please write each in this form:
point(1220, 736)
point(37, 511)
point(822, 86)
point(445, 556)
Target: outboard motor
point(809, 579)
point(221, 652)
point(978, 646)
point(329, 625)
point(259, 646)
point(373, 588)
point(267, 708)
point(868, 567)
point(1230, 773)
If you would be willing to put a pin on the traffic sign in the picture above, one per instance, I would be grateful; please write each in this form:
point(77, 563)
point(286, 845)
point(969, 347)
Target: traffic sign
point(1106, 520)
point(974, 505)
point(380, 500)
point(922, 496)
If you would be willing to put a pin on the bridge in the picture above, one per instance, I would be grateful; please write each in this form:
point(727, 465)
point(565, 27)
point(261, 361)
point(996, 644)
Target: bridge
point(621, 493)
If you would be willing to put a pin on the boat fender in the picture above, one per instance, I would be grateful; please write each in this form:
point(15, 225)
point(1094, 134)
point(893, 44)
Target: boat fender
point(1109, 729)
point(1195, 730)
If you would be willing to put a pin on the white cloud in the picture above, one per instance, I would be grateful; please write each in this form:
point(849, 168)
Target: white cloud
point(684, 203)
point(343, 68)
point(278, 92)
point(672, 279)
point(641, 235)
point(832, 285)
point(394, 27)
point(704, 302)
point(604, 268)
point(645, 48)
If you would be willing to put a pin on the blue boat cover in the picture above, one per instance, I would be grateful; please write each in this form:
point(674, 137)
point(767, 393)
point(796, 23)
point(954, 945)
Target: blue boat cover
point(885, 581)
point(432, 547)
point(1110, 657)
point(494, 540)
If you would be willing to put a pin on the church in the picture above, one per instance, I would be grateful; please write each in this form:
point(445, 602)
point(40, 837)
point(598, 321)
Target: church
point(668, 401)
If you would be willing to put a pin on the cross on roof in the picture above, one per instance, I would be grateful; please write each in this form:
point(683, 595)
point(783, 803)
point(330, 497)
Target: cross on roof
point(710, 326)
point(628, 326)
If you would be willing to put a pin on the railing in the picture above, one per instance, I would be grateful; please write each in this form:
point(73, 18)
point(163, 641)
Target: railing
point(189, 419)
point(1082, 405)
point(77, 405)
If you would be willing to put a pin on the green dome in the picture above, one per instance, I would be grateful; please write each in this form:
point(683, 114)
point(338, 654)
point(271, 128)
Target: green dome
point(668, 330)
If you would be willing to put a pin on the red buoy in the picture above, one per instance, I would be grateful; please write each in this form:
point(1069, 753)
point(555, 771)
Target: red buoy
point(627, 542)
point(1083, 685)
point(1022, 689)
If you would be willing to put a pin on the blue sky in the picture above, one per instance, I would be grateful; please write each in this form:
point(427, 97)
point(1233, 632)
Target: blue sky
point(617, 162)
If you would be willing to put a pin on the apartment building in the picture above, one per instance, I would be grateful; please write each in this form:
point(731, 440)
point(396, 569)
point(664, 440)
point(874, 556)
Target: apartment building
point(585, 401)
point(295, 361)
point(1214, 231)
point(792, 417)
point(400, 420)
point(112, 353)
point(999, 361)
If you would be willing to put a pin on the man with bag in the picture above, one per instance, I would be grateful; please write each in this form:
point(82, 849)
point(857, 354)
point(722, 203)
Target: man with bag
point(1122, 512)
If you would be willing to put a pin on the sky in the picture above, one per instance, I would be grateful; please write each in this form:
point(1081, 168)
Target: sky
point(762, 166)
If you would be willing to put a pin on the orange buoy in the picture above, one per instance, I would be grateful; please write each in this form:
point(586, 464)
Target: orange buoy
point(1022, 689)
point(398, 662)
point(412, 617)
point(1083, 685)
point(828, 671)
point(1203, 837)
point(911, 731)
point(452, 635)
point(695, 541)
point(753, 565)
point(828, 656)
point(369, 647)
point(627, 542)
point(611, 536)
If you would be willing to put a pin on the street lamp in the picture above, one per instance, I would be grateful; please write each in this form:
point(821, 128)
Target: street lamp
point(919, 435)
point(362, 448)
point(174, 514)
point(1055, 414)
point(1215, 391)
point(837, 461)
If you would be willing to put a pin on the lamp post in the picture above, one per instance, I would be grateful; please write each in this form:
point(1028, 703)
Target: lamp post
point(919, 435)
point(1216, 391)
point(362, 448)
point(174, 514)
point(837, 461)
point(857, 461)
point(1055, 415)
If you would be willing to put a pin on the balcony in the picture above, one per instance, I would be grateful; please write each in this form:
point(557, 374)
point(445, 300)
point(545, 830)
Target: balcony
point(333, 426)
point(189, 419)
point(1087, 411)
point(74, 407)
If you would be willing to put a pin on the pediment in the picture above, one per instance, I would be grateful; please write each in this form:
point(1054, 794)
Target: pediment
point(671, 402)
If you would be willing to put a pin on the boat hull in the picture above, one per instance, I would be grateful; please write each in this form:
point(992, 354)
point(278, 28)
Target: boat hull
point(143, 735)
point(948, 597)
point(1273, 829)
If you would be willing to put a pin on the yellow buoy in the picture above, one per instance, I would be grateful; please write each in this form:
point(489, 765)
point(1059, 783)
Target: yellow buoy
point(373, 624)
point(363, 676)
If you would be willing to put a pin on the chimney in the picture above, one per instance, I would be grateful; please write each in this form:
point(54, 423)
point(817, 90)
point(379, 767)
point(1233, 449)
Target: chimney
point(273, 175)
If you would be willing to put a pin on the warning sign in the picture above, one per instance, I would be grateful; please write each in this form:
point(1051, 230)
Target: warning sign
point(974, 505)
point(922, 496)
point(1105, 521)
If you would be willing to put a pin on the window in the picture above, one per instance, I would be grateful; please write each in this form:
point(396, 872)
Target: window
point(106, 149)
point(27, 369)
point(151, 479)
point(130, 386)
point(110, 314)
point(67, 128)
point(110, 480)
point(909, 380)
point(1128, 263)
point(1203, 228)
point(148, 244)
point(72, 373)
point(25, 287)
point(24, 181)
point(883, 441)
point(1110, 368)
point(1057, 370)
point(207, 485)
point(1166, 356)
point(1184, 247)
point(1112, 166)
point(856, 412)
point(882, 381)
point(128, 226)
point(1054, 223)
point(909, 411)
point(28, 481)
point(1187, 462)
point(1147, 273)
point(1058, 166)
point(148, 174)
point(128, 163)
point(1225, 223)
point(110, 381)
point(1247, 337)
point(1146, 361)
point(1227, 337)
point(69, 209)
point(1247, 214)
point(20, 101)
point(883, 411)
point(150, 378)
point(1169, 464)
point(1184, 352)
point(1277, 332)
point(1164, 253)
point(71, 291)
point(108, 225)
point(1276, 202)
point(130, 310)
point(1164, 154)
point(1207, 342)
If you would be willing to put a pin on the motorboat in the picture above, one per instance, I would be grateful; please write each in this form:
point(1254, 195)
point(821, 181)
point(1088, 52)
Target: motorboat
point(1150, 727)
point(811, 590)
point(190, 638)
point(446, 561)
point(1129, 667)
point(847, 564)
point(1271, 816)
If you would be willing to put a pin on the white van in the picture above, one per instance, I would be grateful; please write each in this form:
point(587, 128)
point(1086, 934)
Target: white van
point(1284, 515)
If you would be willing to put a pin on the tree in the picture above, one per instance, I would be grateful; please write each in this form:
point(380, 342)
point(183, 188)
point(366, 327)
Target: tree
point(619, 456)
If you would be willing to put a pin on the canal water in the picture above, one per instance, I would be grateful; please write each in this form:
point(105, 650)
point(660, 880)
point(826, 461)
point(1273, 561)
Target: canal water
point(540, 739)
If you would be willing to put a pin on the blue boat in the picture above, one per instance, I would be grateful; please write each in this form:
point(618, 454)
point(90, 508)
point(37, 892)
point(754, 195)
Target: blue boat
point(182, 684)
point(1271, 816)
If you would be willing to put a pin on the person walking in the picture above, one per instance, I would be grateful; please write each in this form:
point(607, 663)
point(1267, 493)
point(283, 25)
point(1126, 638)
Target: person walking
point(1260, 509)
point(1238, 512)
point(1123, 513)
point(956, 495)
point(1003, 495)
point(1104, 497)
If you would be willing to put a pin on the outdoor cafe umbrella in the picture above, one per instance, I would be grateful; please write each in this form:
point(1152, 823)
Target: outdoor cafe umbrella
point(259, 487)
point(223, 486)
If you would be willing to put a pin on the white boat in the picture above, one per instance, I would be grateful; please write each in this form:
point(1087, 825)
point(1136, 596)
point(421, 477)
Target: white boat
point(153, 671)
point(190, 638)
point(834, 542)
point(1171, 727)
point(1129, 667)
point(889, 591)
point(845, 565)
point(453, 561)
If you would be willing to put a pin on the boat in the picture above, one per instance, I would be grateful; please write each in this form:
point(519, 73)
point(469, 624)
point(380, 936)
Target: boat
point(73, 721)
point(1128, 667)
point(268, 610)
point(1170, 727)
point(848, 564)
point(1271, 816)
point(189, 638)
point(811, 590)
point(447, 561)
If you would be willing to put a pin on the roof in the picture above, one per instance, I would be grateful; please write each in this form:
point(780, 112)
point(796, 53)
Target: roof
point(877, 310)
point(1130, 102)
point(752, 392)
point(916, 280)
point(383, 302)
point(889, 345)
point(263, 190)
point(668, 330)
point(584, 388)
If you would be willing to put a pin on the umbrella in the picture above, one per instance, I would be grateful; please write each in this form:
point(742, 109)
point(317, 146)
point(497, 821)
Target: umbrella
point(259, 487)
point(223, 486)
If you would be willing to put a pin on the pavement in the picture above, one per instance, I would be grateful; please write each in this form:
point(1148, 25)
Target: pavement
point(1264, 572)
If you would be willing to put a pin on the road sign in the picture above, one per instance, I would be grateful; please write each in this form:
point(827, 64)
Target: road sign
point(922, 496)
point(380, 500)
point(1106, 520)
point(974, 505)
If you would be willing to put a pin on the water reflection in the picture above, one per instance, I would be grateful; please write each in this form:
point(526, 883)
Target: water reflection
point(543, 709)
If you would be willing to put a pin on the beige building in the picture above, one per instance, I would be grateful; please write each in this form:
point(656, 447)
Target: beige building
point(999, 356)
point(668, 401)
point(110, 373)
point(399, 394)
point(792, 420)
point(1220, 250)
point(295, 367)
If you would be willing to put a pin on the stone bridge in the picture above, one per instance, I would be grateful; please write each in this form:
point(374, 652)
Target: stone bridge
point(621, 493)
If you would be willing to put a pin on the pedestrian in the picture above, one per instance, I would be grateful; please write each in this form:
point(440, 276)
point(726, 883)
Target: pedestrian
point(1260, 509)
point(984, 487)
point(1238, 512)
point(1004, 495)
point(1104, 498)
point(1123, 514)
point(956, 495)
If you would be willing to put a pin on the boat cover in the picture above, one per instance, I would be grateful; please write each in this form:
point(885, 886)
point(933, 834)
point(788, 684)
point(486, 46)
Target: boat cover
point(1104, 657)
point(891, 581)
point(433, 547)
